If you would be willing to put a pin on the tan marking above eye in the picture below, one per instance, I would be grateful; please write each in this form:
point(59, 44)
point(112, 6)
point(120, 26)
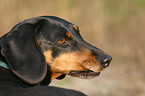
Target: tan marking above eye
point(76, 28)
point(69, 35)
point(62, 41)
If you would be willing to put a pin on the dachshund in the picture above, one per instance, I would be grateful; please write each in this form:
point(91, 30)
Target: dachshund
point(44, 48)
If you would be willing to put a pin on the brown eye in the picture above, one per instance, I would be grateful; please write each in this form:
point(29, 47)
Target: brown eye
point(62, 41)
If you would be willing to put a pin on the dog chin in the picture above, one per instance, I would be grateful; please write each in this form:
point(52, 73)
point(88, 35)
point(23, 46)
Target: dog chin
point(84, 74)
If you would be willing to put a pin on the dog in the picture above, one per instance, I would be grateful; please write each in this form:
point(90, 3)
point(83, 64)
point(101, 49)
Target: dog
point(44, 48)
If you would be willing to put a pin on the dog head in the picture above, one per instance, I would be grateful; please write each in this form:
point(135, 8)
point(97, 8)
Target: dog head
point(50, 44)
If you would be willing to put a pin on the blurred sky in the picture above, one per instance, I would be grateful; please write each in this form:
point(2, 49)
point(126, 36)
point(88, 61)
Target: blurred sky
point(115, 26)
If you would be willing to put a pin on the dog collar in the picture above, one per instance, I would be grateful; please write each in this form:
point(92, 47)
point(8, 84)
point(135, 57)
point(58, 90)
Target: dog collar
point(5, 65)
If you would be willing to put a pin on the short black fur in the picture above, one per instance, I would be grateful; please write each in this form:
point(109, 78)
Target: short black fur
point(20, 50)
point(23, 50)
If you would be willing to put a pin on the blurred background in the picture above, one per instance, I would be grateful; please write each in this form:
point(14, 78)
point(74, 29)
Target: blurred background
point(115, 26)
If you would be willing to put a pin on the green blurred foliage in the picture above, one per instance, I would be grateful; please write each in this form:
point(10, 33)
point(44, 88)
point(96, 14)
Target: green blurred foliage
point(116, 26)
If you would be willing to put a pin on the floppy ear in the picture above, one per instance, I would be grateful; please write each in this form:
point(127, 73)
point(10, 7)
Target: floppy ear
point(23, 54)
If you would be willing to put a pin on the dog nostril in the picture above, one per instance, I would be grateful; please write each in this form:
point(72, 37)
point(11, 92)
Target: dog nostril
point(105, 60)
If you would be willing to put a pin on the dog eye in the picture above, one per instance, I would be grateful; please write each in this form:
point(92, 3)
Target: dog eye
point(62, 41)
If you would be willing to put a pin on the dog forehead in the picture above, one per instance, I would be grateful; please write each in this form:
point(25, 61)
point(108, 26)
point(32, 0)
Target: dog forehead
point(57, 19)
point(58, 27)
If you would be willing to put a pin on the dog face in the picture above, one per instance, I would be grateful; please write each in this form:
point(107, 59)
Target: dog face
point(52, 42)
point(67, 53)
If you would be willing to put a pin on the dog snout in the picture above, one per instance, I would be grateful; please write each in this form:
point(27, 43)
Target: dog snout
point(105, 60)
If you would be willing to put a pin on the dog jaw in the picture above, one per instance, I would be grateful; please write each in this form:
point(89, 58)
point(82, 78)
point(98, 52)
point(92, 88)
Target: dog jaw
point(81, 61)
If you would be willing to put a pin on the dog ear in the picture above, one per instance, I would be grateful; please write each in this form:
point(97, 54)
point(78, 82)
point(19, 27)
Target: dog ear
point(22, 52)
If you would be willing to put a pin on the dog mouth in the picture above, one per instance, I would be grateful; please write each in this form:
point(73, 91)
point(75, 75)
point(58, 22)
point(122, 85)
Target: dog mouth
point(84, 74)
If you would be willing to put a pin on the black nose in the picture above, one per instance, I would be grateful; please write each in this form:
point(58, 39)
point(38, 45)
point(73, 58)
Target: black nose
point(105, 60)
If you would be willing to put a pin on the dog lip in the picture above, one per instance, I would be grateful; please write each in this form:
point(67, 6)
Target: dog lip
point(84, 74)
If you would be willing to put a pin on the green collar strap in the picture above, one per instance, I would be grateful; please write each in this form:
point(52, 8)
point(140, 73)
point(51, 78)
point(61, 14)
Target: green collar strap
point(5, 65)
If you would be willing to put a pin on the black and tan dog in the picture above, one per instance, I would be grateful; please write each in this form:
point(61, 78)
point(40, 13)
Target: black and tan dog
point(40, 49)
